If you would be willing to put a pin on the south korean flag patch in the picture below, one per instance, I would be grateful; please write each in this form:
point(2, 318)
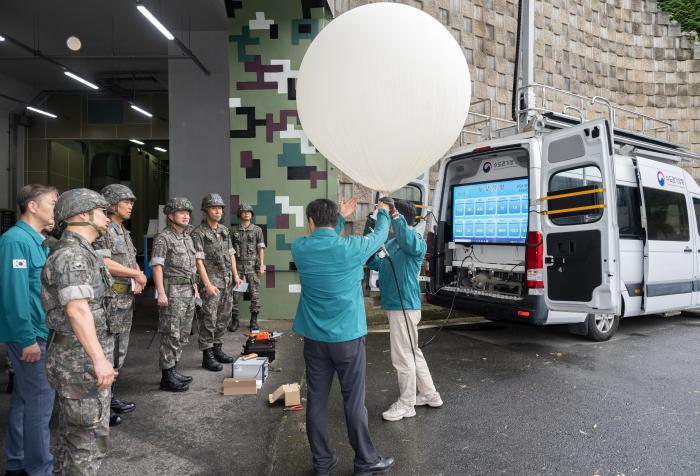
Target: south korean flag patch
point(19, 264)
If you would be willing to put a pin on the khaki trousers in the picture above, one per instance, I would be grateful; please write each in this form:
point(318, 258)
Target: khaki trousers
point(412, 375)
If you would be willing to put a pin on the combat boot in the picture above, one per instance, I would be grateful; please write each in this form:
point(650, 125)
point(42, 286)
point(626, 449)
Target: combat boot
point(119, 407)
point(209, 361)
point(180, 377)
point(114, 419)
point(170, 384)
point(254, 322)
point(221, 356)
point(233, 324)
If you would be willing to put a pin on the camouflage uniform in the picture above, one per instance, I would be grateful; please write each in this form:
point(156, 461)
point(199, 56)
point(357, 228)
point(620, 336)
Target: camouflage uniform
point(215, 249)
point(74, 271)
point(246, 242)
point(174, 251)
point(117, 245)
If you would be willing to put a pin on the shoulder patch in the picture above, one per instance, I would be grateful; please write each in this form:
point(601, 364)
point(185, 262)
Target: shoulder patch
point(19, 263)
point(77, 266)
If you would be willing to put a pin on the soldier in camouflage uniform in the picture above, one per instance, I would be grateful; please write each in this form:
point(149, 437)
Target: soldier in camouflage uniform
point(249, 243)
point(75, 292)
point(173, 263)
point(119, 255)
point(216, 266)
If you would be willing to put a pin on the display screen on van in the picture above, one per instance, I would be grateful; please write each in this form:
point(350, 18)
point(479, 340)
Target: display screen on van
point(490, 212)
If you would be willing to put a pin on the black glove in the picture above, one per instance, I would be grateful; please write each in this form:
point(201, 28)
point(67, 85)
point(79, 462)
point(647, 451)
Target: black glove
point(389, 201)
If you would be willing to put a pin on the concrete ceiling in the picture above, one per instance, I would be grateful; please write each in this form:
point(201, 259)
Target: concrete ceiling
point(117, 41)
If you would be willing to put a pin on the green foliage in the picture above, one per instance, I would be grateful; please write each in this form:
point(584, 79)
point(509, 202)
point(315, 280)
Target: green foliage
point(685, 12)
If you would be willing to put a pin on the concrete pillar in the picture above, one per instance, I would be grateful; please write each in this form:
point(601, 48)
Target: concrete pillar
point(199, 121)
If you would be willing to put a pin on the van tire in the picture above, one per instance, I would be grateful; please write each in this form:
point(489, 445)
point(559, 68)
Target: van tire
point(601, 327)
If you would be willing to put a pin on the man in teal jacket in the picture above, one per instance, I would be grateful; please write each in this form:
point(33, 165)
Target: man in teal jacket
point(406, 251)
point(23, 328)
point(331, 318)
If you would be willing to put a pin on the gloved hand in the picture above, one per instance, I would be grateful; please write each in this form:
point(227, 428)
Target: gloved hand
point(388, 201)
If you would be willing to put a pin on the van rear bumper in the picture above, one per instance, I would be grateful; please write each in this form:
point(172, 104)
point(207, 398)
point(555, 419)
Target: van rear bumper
point(496, 309)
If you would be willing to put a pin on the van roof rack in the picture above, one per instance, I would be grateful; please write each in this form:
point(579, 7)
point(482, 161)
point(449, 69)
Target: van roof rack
point(589, 108)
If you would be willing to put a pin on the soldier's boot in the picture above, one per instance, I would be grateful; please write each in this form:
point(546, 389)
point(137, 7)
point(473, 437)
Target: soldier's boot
point(209, 361)
point(221, 356)
point(170, 384)
point(119, 407)
point(254, 321)
point(180, 377)
point(114, 419)
point(233, 324)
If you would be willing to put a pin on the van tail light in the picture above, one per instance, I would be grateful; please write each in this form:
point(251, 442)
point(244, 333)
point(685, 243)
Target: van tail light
point(523, 313)
point(534, 260)
point(428, 297)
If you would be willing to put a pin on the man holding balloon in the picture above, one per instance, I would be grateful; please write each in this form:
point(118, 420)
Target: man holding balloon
point(331, 318)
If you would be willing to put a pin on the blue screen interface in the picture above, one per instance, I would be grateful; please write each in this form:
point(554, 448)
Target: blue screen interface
point(491, 212)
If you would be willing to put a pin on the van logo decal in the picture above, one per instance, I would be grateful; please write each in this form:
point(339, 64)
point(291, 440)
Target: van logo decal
point(486, 167)
point(660, 177)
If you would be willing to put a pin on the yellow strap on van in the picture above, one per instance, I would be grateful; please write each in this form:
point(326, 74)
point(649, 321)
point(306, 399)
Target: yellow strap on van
point(573, 194)
point(575, 209)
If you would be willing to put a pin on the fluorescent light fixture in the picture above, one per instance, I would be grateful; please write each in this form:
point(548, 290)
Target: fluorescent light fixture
point(160, 149)
point(39, 111)
point(138, 109)
point(136, 141)
point(80, 80)
point(149, 16)
point(2, 38)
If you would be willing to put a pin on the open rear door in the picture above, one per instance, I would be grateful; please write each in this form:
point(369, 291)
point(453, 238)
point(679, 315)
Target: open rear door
point(579, 222)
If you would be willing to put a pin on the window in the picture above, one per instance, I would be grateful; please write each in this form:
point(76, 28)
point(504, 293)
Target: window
point(490, 33)
point(575, 180)
point(628, 213)
point(667, 215)
point(696, 206)
point(409, 192)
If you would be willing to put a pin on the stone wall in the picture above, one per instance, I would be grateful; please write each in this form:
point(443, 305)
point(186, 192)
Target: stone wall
point(625, 50)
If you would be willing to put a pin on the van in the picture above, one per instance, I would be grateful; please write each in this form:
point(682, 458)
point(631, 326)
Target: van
point(566, 221)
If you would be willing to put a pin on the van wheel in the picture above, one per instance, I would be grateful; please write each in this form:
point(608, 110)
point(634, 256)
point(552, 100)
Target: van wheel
point(602, 327)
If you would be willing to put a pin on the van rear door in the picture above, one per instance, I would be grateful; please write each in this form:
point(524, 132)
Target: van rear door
point(579, 220)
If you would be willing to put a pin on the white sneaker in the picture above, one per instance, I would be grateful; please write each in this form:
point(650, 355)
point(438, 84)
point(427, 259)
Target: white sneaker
point(398, 411)
point(433, 400)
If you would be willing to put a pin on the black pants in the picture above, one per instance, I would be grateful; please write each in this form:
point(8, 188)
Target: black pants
point(348, 360)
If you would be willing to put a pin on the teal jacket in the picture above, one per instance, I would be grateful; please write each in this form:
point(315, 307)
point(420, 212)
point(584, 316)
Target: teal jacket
point(22, 258)
point(407, 251)
point(332, 307)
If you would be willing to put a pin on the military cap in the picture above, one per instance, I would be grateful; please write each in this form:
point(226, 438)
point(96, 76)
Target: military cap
point(116, 192)
point(244, 207)
point(212, 200)
point(176, 204)
point(75, 201)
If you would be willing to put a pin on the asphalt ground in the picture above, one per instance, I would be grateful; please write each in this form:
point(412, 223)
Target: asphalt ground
point(518, 400)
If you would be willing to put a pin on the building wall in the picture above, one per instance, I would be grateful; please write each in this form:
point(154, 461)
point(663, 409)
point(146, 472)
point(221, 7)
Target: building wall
point(625, 50)
point(273, 166)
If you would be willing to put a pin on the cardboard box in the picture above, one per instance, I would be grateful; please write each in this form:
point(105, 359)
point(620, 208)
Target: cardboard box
point(234, 386)
point(291, 392)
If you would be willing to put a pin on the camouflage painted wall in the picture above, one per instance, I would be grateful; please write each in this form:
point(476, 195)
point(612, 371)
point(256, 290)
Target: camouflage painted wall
point(273, 166)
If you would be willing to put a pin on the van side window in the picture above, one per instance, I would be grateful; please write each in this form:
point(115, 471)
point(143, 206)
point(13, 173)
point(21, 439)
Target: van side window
point(575, 181)
point(628, 213)
point(696, 206)
point(667, 215)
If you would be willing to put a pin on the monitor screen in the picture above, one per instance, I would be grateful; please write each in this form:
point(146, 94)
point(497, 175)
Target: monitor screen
point(490, 212)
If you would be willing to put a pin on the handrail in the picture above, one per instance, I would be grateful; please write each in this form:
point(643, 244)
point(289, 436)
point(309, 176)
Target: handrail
point(582, 101)
point(488, 119)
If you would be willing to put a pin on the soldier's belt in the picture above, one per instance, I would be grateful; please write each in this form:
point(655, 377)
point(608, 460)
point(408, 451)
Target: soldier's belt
point(178, 280)
point(121, 288)
point(56, 338)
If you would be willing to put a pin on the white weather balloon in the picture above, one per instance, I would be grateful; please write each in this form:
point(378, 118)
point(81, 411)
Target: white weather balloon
point(383, 92)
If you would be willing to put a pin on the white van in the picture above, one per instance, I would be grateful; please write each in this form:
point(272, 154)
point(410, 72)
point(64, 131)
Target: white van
point(566, 224)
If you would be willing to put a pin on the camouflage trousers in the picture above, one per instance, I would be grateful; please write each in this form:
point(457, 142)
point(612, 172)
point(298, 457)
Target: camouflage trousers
point(119, 321)
point(83, 410)
point(214, 316)
point(253, 289)
point(174, 326)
